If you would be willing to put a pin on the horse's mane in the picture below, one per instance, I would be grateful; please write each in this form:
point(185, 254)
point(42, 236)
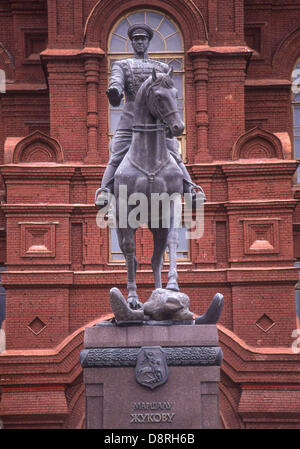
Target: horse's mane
point(162, 79)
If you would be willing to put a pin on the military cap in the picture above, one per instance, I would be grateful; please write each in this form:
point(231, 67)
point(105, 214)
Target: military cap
point(140, 30)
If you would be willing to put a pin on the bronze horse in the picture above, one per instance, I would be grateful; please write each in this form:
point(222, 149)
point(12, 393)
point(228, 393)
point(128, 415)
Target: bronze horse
point(148, 168)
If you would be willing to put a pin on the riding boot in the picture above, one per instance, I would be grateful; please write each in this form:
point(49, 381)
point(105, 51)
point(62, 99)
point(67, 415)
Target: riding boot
point(106, 189)
point(187, 180)
point(190, 187)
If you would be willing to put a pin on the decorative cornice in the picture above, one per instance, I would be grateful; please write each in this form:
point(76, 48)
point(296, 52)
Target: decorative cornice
point(243, 166)
point(109, 278)
point(45, 278)
point(17, 209)
point(237, 206)
point(175, 356)
point(69, 53)
point(262, 275)
point(268, 83)
point(199, 50)
point(296, 190)
point(36, 171)
point(63, 54)
point(258, 167)
point(244, 363)
point(207, 170)
point(34, 88)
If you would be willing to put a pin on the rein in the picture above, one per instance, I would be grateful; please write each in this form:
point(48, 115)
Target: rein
point(145, 127)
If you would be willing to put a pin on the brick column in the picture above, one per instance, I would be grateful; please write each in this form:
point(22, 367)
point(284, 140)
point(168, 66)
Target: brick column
point(91, 71)
point(200, 68)
point(219, 77)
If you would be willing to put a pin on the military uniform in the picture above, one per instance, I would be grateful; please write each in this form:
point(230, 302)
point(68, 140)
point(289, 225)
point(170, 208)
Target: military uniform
point(127, 75)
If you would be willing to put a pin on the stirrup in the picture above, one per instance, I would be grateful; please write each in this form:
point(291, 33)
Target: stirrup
point(105, 195)
point(196, 196)
point(200, 195)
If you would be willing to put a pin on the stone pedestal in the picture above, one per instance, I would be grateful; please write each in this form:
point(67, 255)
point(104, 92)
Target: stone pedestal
point(123, 393)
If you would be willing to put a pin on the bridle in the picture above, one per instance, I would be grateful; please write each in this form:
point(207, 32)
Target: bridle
point(144, 127)
point(148, 128)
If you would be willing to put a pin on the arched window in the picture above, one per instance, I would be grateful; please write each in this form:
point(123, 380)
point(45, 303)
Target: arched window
point(166, 46)
point(296, 113)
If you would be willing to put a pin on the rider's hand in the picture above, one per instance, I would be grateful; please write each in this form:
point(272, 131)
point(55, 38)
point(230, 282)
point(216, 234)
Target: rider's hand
point(114, 96)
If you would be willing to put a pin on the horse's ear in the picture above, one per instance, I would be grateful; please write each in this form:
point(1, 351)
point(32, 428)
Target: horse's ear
point(154, 76)
point(170, 72)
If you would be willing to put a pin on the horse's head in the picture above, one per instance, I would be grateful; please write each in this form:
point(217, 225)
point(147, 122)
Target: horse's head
point(162, 101)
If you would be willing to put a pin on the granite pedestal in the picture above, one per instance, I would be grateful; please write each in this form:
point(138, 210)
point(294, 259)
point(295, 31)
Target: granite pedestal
point(186, 398)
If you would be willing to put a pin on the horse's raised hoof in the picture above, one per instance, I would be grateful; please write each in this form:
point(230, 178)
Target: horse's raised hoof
point(212, 315)
point(172, 286)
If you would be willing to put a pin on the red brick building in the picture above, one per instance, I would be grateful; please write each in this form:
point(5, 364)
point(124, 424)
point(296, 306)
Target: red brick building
point(236, 67)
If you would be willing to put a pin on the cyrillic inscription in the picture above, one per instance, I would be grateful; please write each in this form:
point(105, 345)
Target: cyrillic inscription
point(152, 412)
point(167, 405)
point(151, 417)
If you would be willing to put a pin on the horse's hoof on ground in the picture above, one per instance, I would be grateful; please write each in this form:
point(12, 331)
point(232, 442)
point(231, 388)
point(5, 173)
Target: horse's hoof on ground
point(121, 309)
point(134, 303)
point(173, 286)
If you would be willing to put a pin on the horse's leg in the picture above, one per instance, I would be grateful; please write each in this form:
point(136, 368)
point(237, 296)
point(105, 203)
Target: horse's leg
point(127, 245)
point(172, 245)
point(160, 243)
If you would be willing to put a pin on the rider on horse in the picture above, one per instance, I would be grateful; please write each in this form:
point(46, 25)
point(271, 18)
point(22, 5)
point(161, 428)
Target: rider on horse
point(127, 76)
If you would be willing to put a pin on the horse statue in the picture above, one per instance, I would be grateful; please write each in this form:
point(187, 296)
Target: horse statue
point(148, 168)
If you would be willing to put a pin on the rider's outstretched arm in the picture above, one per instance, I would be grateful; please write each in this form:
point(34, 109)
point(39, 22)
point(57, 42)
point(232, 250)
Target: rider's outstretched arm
point(116, 85)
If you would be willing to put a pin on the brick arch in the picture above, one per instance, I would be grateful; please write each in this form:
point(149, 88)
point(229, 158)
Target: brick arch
point(184, 12)
point(286, 55)
point(257, 144)
point(37, 147)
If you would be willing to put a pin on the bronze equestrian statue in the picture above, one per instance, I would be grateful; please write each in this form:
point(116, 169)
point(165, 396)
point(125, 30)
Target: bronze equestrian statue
point(148, 168)
point(127, 76)
point(145, 156)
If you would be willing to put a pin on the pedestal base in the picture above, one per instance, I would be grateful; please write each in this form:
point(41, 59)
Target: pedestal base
point(151, 377)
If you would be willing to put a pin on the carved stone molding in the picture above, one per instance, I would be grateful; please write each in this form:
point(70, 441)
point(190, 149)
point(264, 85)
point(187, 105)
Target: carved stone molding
point(36, 147)
point(176, 356)
point(257, 144)
point(37, 239)
point(261, 235)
